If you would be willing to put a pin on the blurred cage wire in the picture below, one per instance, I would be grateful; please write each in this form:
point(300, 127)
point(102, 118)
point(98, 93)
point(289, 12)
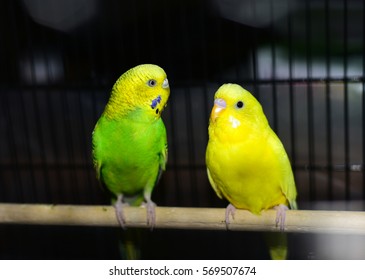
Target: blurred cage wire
point(303, 60)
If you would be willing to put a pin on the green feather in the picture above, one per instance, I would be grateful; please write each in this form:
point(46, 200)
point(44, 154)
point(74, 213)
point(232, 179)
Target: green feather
point(130, 145)
point(129, 153)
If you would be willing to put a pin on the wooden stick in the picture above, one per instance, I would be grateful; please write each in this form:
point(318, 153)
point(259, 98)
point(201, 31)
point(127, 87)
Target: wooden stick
point(301, 221)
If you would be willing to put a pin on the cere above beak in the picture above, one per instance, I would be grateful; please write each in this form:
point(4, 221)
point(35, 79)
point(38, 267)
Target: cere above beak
point(165, 83)
point(219, 106)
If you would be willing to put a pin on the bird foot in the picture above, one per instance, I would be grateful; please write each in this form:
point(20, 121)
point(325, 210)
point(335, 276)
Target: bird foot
point(230, 210)
point(151, 213)
point(118, 206)
point(280, 216)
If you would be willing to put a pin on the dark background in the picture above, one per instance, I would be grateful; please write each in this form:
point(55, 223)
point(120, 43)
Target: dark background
point(58, 60)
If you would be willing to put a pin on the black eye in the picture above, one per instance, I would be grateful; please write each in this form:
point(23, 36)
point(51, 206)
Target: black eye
point(239, 104)
point(151, 83)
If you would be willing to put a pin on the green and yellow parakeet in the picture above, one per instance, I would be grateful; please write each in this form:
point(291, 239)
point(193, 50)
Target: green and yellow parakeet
point(129, 140)
point(246, 161)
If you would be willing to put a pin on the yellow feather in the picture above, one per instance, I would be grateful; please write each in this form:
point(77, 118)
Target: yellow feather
point(121, 101)
point(246, 162)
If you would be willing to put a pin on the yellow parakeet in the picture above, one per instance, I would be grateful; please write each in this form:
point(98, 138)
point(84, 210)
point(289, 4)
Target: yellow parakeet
point(246, 162)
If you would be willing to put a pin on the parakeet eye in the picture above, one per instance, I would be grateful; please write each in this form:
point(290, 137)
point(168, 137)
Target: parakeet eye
point(239, 104)
point(151, 83)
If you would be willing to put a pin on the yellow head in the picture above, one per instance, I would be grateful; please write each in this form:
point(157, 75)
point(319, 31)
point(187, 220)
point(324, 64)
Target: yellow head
point(143, 87)
point(235, 107)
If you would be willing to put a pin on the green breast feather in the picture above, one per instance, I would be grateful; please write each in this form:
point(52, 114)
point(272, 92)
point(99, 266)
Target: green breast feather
point(129, 154)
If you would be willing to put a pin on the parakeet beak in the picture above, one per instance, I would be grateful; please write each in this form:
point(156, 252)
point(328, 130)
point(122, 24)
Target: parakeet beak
point(219, 106)
point(165, 83)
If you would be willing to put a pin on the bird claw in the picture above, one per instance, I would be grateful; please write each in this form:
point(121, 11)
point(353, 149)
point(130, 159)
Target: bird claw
point(230, 210)
point(280, 216)
point(119, 205)
point(151, 213)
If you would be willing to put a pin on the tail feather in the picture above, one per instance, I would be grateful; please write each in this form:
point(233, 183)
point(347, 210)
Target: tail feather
point(277, 243)
point(130, 244)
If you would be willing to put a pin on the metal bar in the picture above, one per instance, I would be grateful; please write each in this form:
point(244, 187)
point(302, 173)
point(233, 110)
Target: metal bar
point(10, 135)
point(23, 119)
point(172, 146)
point(291, 88)
point(37, 110)
point(273, 68)
point(208, 101)
point(311, 147)
point(317, 81)
point(9, 127)
point(328, 103)
point(118, 56)
point(354, 167)
point(81, 180)
point(52, 129)
point(346, 103)
point(85, 153)
point(188, 103)
point(203, 46)
point(136, 31)
point(96, 85)
point(254, 81)
point(363, 98)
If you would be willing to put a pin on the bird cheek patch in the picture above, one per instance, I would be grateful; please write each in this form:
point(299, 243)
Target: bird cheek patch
point(234, 122)
point(156, 101)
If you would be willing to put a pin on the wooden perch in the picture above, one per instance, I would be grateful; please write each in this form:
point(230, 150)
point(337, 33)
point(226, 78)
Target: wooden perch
point(303, 221)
